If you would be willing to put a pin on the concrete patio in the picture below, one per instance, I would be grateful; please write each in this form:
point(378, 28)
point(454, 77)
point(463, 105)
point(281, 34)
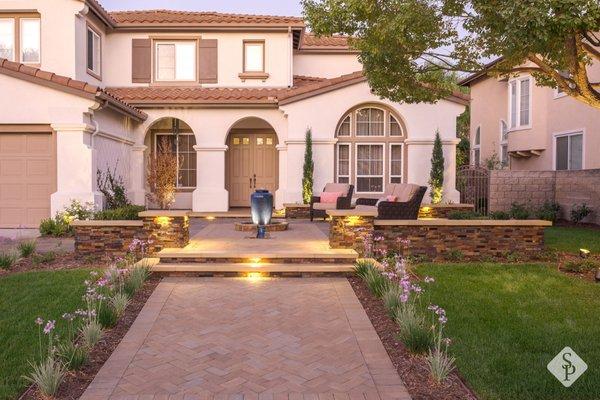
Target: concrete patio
point(211, 338)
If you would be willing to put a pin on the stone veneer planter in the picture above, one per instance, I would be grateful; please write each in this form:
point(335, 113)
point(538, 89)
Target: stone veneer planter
point(106, 239)
point(438, 239)
point(442, 210)
point(111, 239)
point(297, 211)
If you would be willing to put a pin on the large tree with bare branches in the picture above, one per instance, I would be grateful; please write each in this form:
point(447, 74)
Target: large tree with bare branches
point(408, 46)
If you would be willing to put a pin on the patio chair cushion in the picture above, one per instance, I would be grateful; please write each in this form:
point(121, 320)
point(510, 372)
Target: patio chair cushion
point(324, 206)
point(366, 208)
point(330, 197)
point(405, 192)
point(342, 188)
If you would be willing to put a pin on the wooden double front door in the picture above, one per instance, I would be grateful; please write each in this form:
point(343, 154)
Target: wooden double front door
point(252, 163)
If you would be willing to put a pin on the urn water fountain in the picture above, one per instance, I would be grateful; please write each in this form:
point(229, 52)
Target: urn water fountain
point(261, 203)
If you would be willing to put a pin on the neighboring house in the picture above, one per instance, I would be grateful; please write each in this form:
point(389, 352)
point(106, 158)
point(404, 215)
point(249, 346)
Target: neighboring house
point(84, 89)
point(529, 127)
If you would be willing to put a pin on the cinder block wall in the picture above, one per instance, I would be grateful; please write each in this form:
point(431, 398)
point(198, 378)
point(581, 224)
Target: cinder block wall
point(535, 187)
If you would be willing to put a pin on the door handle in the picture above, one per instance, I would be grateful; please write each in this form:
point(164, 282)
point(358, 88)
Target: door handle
point(254, 181)
point(250, 183)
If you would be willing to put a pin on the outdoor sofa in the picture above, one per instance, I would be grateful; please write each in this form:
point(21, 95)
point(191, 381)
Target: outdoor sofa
point(399, 201)
point(318, 208)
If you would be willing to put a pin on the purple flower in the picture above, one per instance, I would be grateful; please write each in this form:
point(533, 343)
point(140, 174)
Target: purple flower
point(94, 273)
point(429, 279)
point(68, 316)
point(433, 307)
point(49, 327)
point(39, 321)
point(443, 319)
point(447, 341)
point(102, 282)
point(404, 297)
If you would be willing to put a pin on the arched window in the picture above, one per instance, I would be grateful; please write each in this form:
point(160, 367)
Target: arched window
point(370, 149)
point(476, 148)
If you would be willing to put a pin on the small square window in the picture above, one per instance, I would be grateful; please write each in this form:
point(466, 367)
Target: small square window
point(93, 51)
point(260, 141)
point(254, 56)
point(246, 140)
point(236, 141)
point(269, 141)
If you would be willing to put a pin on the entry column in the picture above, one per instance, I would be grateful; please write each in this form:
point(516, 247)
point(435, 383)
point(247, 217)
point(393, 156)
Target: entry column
point(210, 193)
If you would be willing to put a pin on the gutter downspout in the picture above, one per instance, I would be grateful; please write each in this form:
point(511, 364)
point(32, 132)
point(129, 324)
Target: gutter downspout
point(290, 58)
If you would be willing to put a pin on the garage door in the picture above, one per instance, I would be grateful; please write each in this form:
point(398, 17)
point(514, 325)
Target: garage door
point(27, 177)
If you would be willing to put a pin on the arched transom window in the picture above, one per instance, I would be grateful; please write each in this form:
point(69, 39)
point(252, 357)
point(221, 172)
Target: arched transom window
point(370, 149)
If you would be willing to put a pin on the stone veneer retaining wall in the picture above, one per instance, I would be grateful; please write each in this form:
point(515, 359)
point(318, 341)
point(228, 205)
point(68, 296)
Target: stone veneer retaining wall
point(297, 211)
point(438, 239)
point(111, 239)
point(567, 188)
point(442, 210)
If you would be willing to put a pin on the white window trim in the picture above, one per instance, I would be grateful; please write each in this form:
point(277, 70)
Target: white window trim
point(337, 166)
point(382, 176)
point(349, 135)
point(14, 44)
point(156, 150)
point(573, 132)
point(520, 127)
point(390, 176)
point(389, 123)
point(156, 43)
point(20, 55)
point(386, 127)
point(95, 74)
point(504, 142)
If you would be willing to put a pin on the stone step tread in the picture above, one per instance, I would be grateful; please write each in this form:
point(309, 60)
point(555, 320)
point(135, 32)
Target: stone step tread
point(250, 267)
point(190, 253)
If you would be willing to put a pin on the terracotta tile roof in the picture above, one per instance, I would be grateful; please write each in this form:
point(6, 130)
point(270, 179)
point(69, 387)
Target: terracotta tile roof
point(304, 87)
point(79, 88)
point(153, 17)
point(310, 41)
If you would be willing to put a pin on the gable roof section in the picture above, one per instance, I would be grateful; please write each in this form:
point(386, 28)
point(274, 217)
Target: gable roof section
point(481, 74)
point(336, 43)
point(67, 85)
point(196, 18)
point(304, 87)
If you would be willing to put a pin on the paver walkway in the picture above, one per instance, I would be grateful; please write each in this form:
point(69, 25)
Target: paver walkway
point(219, 338)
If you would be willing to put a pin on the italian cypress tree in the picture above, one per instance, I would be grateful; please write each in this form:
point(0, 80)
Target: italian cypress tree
point(307, 176)
point(436, 177)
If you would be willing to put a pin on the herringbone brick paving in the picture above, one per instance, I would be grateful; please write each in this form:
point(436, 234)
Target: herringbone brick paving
point(217, 338)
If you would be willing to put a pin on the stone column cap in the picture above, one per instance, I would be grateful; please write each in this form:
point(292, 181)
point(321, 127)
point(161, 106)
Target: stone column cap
point(164, 213)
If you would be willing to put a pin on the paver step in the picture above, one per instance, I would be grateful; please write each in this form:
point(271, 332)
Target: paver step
point(187, 256)
point(244, 269)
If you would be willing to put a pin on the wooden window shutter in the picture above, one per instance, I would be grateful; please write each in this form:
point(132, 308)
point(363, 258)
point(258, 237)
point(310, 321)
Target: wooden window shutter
point(141, 61)
point(208, 61)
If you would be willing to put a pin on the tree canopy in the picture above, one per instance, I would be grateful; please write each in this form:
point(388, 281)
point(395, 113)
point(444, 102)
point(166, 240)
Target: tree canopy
point(408, 46)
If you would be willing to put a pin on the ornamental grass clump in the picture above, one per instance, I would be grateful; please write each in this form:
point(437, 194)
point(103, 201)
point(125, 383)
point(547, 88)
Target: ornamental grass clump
point(119, 302)
point(440, 363)
point(391, 299)
point(377, 283)
point(27, 248)
point(362, 267)
point(7, 260)
point(48, 371)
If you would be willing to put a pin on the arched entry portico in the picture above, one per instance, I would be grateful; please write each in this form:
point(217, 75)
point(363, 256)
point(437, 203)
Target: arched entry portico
point(252, 160)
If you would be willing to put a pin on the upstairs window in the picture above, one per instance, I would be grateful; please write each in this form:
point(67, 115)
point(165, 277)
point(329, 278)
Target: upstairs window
point(254, 56)
point(370, 122)
point(20, 38)
point(520, 103)
point(94, 52)
point(503, 143)
point(569, 151)
point(176, 61)
point(476, 160)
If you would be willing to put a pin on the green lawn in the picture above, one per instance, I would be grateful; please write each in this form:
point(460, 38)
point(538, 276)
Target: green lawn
point(572, 239)
point(23, 297)
point(508, 321)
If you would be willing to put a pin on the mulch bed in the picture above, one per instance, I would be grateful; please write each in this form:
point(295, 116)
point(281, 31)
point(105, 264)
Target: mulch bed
point(76, 382)
point(589, 275)
point(63, 261)
point(413, 370)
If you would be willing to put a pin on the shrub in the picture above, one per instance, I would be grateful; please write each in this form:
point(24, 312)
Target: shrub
point(579, 212)
point(548, 211)
point(436, 175)
point(43, 258)
point(107, 316)
point(47, 375)
point(464, 215)
point(307, 169)
point(128, 213)
point(90, 332)
point(77, 211)
point(391, 299)
point(54, 227)
point(72, 355)
point(414, 332)
point(455, 255)
point(377, 283)
point(113, 188)
point(26, 248)
point(7, 260)
point(499, 215)
point(519, 211)
point(119, 303)
point(162, 175)
point(135, 279)
point(583, 265)
point(440, 364)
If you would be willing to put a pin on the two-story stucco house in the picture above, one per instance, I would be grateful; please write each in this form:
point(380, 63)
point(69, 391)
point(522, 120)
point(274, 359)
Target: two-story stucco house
point(84, 89)
point(531, 127)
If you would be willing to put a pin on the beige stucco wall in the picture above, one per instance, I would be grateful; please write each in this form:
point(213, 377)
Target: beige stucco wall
point(58, 26)
point(325, 65)
point(117, 60)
